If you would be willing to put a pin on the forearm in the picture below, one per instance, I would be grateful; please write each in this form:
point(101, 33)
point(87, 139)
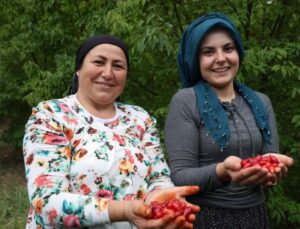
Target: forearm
point(206, 176)
point(59, 210)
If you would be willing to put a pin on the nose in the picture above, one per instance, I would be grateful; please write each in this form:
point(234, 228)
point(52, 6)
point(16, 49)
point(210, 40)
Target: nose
point(107, 72)
point(220, 57)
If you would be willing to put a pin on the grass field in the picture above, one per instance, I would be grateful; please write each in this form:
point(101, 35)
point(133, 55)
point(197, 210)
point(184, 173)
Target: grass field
point(13, 196)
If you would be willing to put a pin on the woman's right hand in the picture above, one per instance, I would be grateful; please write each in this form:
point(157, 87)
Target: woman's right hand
point(230, 169)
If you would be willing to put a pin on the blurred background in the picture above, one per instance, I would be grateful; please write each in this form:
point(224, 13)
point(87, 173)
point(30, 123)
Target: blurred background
point(39, 39)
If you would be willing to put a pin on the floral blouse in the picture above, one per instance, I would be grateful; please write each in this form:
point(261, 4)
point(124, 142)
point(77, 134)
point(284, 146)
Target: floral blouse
point(75, 163)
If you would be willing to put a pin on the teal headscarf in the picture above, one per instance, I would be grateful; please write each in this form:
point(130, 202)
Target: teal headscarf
point(210, 108)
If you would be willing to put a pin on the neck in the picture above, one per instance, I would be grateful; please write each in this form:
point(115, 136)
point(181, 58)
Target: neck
point(225, 94)
point(104, 111)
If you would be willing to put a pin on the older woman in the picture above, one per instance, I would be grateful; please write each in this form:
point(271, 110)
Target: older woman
point(91, 161)
point(214, 122)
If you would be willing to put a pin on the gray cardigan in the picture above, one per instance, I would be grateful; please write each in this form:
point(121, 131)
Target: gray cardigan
point(193, 155)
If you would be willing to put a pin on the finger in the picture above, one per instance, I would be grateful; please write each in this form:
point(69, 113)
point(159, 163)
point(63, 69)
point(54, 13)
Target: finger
point(270, 184)
point(180, 222)
point(161, 223)
point(176, 192)
point(265, 179)
point(280, 172)
point(192, 217)
point(282, 168)
point(288, 161)
point(232, 163)
point(144, 211)
point(196, 208)
point(188, 225)
point(149, 213)
point(187, 190)
point(247, 173)
point(256, 178)
point(168, 220)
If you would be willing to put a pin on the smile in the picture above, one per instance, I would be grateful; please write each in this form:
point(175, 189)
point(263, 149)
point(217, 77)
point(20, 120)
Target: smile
point(104, 84)
point(221, 69)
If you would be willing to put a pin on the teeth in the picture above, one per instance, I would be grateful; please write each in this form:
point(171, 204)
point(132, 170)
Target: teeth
point(103, 84)
point(220, 70)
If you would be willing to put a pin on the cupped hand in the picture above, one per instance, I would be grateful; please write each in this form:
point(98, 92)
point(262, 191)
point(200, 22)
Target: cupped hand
point(176, 193)
point(137, 213)
point(281, 170)
point(231, 169)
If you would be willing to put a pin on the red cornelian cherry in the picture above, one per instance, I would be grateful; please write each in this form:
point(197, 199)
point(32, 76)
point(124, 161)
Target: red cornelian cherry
point(176, 207)
point(269, 162)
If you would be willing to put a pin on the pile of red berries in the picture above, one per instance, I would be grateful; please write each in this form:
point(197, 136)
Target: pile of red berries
point(175, 207)
point(269, 162)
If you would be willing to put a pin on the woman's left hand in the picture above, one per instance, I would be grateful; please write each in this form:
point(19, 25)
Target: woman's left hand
point(281, 170)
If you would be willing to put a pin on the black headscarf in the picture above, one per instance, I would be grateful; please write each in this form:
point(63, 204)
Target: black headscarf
point(86, 46)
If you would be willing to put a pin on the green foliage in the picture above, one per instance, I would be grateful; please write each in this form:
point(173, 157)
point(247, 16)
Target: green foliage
point(38, 41)
point(14, 198)
point(283, 211)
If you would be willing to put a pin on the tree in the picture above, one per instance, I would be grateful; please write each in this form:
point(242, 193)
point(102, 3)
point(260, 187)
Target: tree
point(39, 39)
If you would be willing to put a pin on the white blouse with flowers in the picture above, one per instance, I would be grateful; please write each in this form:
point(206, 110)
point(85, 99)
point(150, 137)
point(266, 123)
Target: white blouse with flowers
point(75, 163)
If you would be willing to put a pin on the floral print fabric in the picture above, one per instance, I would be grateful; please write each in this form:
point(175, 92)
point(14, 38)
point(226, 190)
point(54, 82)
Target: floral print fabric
point(75, 163)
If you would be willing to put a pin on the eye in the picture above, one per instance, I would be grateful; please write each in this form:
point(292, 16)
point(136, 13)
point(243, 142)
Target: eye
point(229, 48)
point(99, 62)
point(118, 66)
point(207, 52)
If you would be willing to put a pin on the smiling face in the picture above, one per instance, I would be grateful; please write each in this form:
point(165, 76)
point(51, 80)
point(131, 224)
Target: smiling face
point(102, 76)
point(218, 59)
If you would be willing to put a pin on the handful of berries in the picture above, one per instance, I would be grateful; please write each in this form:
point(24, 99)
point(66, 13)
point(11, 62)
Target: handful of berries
point(269, 162)
point(176, 207)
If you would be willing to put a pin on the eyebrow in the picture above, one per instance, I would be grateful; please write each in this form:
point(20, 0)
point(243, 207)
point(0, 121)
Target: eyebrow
point(115, 60)
point(211, 47)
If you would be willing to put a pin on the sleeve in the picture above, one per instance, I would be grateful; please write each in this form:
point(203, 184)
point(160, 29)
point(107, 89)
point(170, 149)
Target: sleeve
point(160, 172)
point(47, 156)
point(274, 146)
point(182, 139)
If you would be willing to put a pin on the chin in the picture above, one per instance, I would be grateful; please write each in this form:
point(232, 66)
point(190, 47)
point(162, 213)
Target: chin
point(104, 100)
point(221, 85)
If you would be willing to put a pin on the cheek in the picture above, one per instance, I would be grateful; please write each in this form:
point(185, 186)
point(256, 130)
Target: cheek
point(236, 65)
point(121, 78)
point(235, 59)
point(88, 70)
point(204, 64)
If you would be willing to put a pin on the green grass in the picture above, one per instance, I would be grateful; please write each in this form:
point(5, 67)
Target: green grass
point(13, 196)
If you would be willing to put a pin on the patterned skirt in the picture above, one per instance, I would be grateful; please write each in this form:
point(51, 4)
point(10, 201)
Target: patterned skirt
point(222, 218)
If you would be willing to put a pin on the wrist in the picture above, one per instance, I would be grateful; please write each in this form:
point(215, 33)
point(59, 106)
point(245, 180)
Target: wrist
point(118, 210)
point(222, 172)
point(125, 210)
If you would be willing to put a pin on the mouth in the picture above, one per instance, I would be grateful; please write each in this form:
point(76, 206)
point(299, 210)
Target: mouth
point(220, 70)
point(104, 85)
